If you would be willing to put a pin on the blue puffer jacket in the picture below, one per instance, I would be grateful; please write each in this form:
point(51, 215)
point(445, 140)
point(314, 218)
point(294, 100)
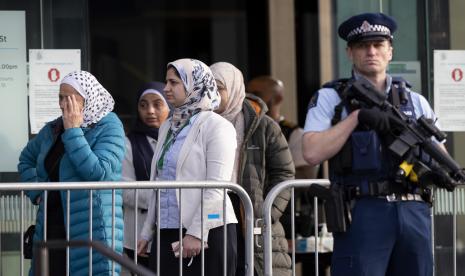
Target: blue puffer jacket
point(91, 154)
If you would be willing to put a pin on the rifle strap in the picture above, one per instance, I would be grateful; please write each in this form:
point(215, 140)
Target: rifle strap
point(338, 112)
point(395, 95)
point(343, 90)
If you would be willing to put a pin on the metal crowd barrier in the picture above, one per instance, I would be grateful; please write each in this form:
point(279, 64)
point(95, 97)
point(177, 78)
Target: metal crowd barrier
point(448, 204)
point(445, 204)
point(41, 265)
point(68, 186)
point(267, 245)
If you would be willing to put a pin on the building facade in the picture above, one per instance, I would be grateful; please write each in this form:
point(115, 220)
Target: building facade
point(126, 43)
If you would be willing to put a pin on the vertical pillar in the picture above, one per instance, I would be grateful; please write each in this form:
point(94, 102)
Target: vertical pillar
point(282, 52)
point(326, 33)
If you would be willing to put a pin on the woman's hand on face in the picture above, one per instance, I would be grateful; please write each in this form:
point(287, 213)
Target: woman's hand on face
point(142, 248)
point(72, 113)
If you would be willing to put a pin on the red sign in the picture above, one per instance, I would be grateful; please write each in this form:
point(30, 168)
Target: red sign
point(457, 74)
point(53, 75)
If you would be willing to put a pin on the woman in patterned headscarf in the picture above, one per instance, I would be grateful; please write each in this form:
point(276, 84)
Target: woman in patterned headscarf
point(194, 144)
point(85, 144)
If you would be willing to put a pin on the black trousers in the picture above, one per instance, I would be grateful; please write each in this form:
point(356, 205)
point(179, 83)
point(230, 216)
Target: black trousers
point(140, 260)
point(169, 265)
point(56, 231)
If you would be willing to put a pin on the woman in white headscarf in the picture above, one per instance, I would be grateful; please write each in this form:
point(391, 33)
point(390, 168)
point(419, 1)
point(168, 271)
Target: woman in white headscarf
point(85, 144)
point(194, 144)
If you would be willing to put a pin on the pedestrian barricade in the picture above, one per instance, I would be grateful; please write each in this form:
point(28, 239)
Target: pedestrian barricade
point(447, 240)
point(24, 217)
point(267, 244)
point(446, 208)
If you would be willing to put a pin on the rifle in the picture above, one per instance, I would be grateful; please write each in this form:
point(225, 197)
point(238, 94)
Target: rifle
point(408, 135)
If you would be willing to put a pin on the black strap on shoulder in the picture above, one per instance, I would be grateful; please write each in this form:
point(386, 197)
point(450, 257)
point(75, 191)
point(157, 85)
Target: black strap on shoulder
point(399, 80)
point(342, 87)
point(395, 97)
point(399, 91)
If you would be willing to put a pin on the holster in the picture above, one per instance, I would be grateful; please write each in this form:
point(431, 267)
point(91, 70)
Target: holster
point(336, 209)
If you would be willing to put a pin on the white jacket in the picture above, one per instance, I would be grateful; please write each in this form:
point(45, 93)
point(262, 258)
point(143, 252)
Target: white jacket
point(129, 174)
point(207, 154)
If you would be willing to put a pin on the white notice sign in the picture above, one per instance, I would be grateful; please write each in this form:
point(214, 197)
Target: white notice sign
point(449, 89)
point(46, 70)
point(13, 88)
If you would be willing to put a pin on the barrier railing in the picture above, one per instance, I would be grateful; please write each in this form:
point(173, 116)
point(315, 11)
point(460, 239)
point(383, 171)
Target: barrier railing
point(42, 265)
point(445, 204)
point(267, 245)
point(157, 185)
point(448, 204)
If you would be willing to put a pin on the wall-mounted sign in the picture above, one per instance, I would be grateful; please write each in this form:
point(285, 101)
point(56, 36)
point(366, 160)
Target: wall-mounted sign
point(13, 88)
point(46, 69)
point(449, 89)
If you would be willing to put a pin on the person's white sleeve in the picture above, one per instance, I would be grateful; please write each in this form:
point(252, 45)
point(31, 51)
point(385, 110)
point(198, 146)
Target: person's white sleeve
point(426, 109)
point(423, 108)
point(221, 150)
point(321, 110)
point(128, 174)
point(149, 225)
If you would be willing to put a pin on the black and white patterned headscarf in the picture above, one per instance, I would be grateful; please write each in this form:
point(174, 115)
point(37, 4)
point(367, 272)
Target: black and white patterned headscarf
point(202, 93)
point(97, 101)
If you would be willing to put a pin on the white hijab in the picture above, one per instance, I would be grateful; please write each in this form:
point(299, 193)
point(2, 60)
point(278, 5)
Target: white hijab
point(97, 101)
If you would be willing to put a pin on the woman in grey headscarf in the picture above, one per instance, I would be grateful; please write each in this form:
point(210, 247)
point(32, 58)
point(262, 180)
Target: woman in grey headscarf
point(85, 144)
point(232, 90)
point(194, 144)
point(257, 170)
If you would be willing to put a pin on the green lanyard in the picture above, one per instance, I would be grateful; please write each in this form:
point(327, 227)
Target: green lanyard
point(169, 141)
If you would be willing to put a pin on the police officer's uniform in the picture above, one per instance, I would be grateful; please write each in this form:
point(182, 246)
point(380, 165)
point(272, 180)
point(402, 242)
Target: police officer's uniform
point(390, 234)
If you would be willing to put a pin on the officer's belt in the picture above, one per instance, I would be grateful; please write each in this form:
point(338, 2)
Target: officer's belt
point(379, 189)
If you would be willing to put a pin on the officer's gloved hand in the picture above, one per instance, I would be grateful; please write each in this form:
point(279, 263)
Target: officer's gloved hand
point(375, 119)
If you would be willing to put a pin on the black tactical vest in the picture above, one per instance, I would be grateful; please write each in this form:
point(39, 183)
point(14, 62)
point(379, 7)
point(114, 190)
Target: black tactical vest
point(365, 157)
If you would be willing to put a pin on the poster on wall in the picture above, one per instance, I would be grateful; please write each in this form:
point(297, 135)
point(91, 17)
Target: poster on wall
point(47, 68)
point(449, 89)
point(13, 88)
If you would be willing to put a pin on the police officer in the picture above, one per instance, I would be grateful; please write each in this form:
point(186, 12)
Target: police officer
point(390, 230)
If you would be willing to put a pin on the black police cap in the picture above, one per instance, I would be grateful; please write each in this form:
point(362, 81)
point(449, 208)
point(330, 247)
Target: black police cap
point(367, 26)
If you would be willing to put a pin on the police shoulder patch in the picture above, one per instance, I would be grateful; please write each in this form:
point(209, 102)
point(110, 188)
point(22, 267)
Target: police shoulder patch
point(313, 100)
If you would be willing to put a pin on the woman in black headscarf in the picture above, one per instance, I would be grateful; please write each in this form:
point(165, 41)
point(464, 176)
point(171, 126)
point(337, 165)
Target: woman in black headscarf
point(152, 111)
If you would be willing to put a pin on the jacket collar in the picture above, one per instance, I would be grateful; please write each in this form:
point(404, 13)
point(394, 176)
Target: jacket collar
point(254, 110)
point(184, 150)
